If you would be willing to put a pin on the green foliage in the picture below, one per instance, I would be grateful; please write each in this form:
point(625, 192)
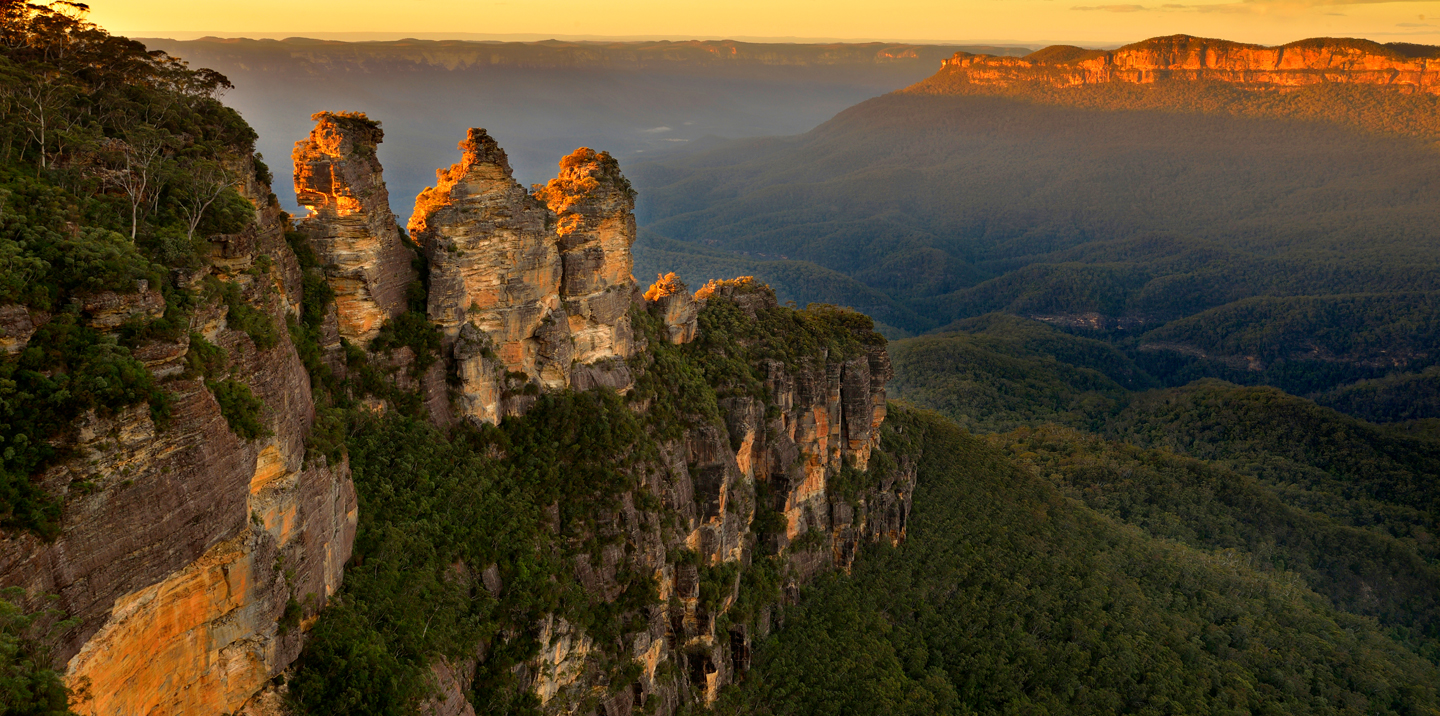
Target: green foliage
point(1219, 509)
point(241, 315)
point(205, 359)
point(66, 369)
point(435, 511)
point(1394, 398)
point(1007, 595)
point(998, 372)
point(103, 146)
point(411, 330)
point(1316, 459)
point(28, 684)
point(242, 410)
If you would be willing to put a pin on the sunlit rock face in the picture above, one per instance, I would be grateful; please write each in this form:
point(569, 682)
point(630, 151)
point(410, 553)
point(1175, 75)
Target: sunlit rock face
point(593, 206)
point(529, 289)
point(1410, 68)
point(351, 228)
point(678, 308)
point(191, 558)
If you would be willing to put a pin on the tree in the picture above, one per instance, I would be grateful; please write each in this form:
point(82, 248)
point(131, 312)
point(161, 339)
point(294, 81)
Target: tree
point(203, 182)
point(28, 686)
point(142, 175)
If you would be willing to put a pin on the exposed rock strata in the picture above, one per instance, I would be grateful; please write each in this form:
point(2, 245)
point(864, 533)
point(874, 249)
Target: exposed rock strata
point(528, 288)
point(338, 178)
point(1409, 68)
point(789, 448)
point(182, 546)
point(677, 308)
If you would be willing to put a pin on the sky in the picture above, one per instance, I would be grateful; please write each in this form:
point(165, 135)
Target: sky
point(1033, 22)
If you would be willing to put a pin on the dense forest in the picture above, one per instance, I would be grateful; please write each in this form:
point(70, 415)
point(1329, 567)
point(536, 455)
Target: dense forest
point(1031, 583)
point(116, 165)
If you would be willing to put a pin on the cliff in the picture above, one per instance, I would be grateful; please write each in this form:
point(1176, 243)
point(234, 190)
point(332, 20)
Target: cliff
point(751, 464)
point(729, 518)
point(1403, 67)
point(190, 555)
point(682, 463)
point(528, 289)
point(339, 179)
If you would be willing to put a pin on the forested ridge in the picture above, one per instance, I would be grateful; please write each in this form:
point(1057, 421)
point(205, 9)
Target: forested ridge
point(1019, 589)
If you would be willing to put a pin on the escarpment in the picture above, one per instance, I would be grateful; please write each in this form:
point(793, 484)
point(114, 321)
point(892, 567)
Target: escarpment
point(351, 228)
point(190, 555)
point(1407, 68)
point(775, 473)
point(203, 536)
point(528, 289)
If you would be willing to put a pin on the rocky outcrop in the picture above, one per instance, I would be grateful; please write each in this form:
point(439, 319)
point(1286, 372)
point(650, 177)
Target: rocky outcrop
point(528, 289)
point(16, 327)
point(785, 474)
point(350, 227)
point(192, 558)
point(677, 308)
point(1408, 68)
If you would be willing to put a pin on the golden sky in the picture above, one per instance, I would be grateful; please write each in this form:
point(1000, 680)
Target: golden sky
point(1020, 21)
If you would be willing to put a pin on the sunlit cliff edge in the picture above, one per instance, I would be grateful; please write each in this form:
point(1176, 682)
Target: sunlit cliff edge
point(1384, 88)
point(1407, 67)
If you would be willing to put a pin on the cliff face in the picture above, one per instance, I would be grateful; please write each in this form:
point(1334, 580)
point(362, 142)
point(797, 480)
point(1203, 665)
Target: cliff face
point(190, 556)
point(1408, 68)
point(778, 484)
point(351, 228)
point(528, 288)
point(195, 558)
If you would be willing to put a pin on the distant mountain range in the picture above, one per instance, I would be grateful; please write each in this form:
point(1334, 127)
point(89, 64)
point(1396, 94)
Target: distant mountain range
point(544, 99)
point(1178, 195)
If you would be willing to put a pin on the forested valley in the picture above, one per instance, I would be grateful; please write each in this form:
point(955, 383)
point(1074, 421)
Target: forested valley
point(1176, 338)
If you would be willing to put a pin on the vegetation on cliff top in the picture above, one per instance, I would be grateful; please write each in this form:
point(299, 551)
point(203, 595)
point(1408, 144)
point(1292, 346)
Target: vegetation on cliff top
point(115, 164)
point(483, 526)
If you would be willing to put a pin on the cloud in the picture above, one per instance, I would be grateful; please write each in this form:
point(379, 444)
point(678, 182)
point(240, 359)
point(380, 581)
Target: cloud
point(1415, 24)
point(1112, 8)
point(656, 130)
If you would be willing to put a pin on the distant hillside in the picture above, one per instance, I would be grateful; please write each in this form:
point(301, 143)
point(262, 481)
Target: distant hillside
point(544, 99)
point(1110, 193)
point(1392, 88)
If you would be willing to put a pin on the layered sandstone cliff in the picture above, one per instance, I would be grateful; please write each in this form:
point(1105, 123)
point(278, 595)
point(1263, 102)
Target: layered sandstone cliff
point(1408, 68)
point(191, 557)
point(765, 490)
point(194, 559)
point(350, 227)
point(528, 288)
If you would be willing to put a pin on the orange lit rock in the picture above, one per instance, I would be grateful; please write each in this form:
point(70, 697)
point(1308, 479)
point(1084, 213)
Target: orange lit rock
point(171, 538)
point(542, 281)
point(677, 306)
point(338, 178)
point(1408, 68)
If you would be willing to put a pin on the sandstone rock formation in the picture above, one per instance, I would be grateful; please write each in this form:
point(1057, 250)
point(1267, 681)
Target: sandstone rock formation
point(782, 453)
point(1408, 68)
point(528, 288)
point(193, 558)
point(338, 178)
point(677, 307)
